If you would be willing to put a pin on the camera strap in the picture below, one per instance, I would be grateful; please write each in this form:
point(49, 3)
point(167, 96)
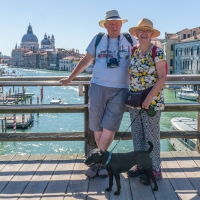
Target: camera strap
point(108, 37)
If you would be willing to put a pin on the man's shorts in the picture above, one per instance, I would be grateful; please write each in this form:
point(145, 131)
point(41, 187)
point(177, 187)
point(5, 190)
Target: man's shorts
point(106, 107)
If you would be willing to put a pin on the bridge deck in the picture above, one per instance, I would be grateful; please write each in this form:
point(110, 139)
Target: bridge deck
point(59, 177)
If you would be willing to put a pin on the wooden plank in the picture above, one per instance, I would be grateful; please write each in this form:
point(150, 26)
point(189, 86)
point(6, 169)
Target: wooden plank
point(39, 181)
point(78, 185)
point(97, 188)
point(57, 186)
point(126, 192)
point(11, 169)
point(21, 179)
point(4, 159)
point(182, 186)
point(190, 168)
point(165, 189)
point(195, 156)
point(139, 190)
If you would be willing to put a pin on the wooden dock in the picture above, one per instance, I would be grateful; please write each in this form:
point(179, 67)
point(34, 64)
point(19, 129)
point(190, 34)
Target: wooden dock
point(61, 177)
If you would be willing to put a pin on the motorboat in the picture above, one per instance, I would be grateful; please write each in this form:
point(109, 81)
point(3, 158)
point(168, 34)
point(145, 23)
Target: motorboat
point(187, 93)
point(183, 124)
point(56, 101)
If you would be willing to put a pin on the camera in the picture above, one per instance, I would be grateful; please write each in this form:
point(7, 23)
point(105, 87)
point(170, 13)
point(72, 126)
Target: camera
point(113, 63)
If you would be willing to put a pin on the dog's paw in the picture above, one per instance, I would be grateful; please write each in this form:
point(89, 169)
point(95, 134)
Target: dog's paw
point(155, 188)
point(108, 189)
point(117, 193)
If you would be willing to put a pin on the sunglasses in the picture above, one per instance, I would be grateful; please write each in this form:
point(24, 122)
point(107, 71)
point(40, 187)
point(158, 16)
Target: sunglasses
point(144, 31)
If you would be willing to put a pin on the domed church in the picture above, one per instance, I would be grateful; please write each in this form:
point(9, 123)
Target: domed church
point(30, 40)
point(47, 44)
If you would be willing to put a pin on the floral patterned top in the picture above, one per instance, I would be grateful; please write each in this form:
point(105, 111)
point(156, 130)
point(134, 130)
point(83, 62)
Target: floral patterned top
point(144, 74)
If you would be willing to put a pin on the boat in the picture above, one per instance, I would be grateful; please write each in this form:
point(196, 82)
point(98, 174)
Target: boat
point(183, 124)
point(187, 93)
point(56, 101)
point(20, 94)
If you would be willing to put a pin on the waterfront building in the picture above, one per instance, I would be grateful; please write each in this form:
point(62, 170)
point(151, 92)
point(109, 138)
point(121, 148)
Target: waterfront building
point(31, 59)
point(43, 61)
point(18, 56)
point(5, 59)
point(68, 63)
point(52, 60)
point(187, 56)
point(167, 44)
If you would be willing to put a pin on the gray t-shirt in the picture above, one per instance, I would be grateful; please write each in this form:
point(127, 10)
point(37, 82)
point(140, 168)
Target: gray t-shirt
point(111, 77)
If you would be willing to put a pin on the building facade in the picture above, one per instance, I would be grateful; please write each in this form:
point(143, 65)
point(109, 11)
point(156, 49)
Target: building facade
point(187, 56)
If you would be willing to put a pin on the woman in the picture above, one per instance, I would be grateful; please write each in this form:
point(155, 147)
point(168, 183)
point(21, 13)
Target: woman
point(146, 71)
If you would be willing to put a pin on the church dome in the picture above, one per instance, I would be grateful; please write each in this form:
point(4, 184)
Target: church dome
point(45, 42)
point(29, 36)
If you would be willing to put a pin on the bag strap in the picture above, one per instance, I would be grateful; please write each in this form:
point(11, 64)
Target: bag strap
point(154, 55)
point(133, 49)
point(98, 39)
point(128, 37)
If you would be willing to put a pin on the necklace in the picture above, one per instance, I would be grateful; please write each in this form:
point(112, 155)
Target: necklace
point(143, 52)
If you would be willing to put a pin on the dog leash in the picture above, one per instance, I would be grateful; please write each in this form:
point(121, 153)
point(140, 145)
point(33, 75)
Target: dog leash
point(110, 153)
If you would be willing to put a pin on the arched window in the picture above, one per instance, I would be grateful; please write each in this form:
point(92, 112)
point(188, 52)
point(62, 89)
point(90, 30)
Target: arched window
point(176, 52)
point(198, 51)
point(191, 51)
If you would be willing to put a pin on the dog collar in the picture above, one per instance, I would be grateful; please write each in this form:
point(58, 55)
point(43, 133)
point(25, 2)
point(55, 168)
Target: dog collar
point(109, 158)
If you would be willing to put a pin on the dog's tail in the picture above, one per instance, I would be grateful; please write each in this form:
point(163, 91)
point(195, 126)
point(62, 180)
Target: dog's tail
point(150, 148)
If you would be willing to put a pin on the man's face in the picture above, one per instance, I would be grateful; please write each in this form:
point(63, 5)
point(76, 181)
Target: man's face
point(113, 27)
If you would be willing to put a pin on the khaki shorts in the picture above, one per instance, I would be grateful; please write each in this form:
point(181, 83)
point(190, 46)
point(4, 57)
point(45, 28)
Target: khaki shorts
point(106, 107)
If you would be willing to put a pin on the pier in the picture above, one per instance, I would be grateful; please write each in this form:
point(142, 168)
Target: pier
point(62, 176)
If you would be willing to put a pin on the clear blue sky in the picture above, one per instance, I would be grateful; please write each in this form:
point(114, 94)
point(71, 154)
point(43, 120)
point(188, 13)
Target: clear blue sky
point(75, 22)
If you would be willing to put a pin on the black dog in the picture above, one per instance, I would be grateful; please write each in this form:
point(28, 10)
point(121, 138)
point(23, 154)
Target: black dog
point(117, 163)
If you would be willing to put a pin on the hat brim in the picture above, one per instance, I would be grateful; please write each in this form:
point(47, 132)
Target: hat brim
point(102, 22)
point(133, 30)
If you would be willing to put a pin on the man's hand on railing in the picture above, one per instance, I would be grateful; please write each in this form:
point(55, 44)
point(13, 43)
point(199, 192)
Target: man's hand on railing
point(64, 81)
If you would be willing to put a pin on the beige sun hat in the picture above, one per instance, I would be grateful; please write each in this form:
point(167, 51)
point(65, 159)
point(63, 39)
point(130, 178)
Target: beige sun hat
point(144, 24)
point(111, 15)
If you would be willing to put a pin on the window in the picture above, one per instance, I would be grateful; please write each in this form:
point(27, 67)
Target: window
point(188, 35)
point(176, 52)
point(184, 36)
point(192, 51)
point(172, 47)
point(194, 33)
point(197, 51)
point(171, 62)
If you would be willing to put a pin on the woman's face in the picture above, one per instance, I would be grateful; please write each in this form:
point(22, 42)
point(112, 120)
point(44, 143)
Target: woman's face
point(144, 36)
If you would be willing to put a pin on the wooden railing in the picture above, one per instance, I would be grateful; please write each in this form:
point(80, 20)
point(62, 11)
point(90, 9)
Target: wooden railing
point(88, 135)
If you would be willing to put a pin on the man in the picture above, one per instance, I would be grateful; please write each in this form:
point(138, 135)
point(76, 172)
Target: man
point(109, 83)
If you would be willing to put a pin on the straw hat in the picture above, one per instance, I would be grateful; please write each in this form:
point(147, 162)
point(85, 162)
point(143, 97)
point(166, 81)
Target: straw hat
point(144, 24)
point(111, 15)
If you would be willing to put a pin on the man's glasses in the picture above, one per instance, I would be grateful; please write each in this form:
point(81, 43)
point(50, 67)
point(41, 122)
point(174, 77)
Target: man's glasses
point(144, 31)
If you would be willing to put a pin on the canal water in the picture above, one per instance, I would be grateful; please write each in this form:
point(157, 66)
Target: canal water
point(59, 122)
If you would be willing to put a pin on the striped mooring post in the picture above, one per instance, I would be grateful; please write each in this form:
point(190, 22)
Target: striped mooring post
point(14, 122)
point(23, 120)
